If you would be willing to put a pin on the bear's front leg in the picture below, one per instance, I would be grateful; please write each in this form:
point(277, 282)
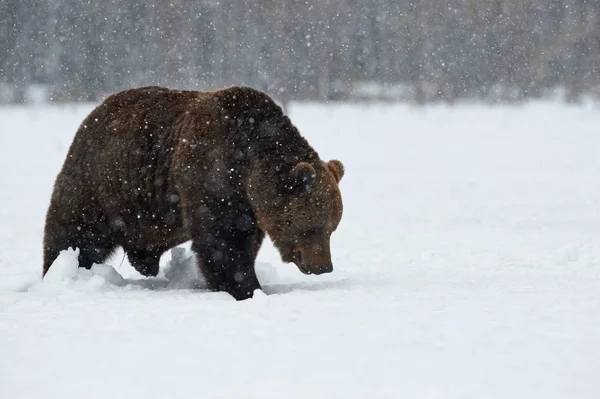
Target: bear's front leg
point(224, 243)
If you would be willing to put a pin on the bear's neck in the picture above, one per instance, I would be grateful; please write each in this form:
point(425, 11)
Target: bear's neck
point(278, 143)
point(282, 151)
point(273, 154)
point(266, 133)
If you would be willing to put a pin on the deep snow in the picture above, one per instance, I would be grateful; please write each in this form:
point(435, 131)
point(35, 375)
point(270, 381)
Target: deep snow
point(467, 265)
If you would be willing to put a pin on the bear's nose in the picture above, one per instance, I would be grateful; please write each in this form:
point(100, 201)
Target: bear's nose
point(324, 269)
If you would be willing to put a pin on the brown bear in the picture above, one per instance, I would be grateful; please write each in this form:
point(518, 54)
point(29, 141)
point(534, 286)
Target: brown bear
point(151, 168)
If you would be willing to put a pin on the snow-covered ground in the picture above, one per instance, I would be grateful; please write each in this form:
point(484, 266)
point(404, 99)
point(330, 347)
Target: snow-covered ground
point(467, 265)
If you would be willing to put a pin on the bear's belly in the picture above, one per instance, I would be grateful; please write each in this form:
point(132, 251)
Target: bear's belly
point(154, 237)
point(149, 225)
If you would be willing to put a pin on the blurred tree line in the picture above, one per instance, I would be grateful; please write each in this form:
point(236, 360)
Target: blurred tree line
point(420, 50)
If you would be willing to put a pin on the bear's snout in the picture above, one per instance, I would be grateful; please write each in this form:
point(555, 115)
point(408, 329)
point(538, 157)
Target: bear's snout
point(324, 269)
point(316, 265)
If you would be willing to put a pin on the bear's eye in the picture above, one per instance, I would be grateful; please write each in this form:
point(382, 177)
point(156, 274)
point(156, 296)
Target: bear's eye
point(317, 230)
point(288, 222)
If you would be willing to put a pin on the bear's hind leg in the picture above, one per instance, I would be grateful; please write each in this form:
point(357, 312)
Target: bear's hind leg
point(88, 255)
point(144, 261)
point(95, 245)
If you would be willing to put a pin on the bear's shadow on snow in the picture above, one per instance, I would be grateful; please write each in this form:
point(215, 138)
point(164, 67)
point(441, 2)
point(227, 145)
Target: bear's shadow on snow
point(285, 288)
point(161, 284)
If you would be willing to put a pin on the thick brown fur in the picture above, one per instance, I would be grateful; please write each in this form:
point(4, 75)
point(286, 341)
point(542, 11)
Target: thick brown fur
point(151, 168)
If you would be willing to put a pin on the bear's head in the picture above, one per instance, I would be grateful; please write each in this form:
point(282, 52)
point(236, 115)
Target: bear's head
point(310, 210)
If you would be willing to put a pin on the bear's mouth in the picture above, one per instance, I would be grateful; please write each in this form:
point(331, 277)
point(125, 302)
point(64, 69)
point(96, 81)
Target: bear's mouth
point(298, 262)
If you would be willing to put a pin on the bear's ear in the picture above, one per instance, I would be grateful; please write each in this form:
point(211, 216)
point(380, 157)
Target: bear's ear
point(336, 168)
point(301, 178)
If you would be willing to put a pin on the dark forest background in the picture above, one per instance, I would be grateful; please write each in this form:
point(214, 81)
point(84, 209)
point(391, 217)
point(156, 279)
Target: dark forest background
point(418, 51)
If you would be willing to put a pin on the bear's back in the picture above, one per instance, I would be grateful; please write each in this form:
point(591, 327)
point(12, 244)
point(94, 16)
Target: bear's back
point(134, 126)
point(124, 149)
